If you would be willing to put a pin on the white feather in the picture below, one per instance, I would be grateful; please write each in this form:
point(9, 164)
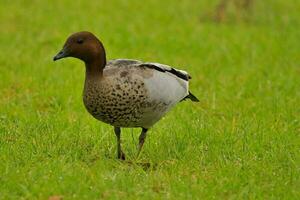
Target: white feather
point(165, 88)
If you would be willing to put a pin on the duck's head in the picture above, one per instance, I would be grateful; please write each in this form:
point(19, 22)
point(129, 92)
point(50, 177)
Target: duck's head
point(84, 46)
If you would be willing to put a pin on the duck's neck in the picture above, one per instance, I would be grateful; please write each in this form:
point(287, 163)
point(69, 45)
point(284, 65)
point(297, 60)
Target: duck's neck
point(94, 69)
point(94, 66)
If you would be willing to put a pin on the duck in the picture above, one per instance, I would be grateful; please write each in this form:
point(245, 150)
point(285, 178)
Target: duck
point(125, 93)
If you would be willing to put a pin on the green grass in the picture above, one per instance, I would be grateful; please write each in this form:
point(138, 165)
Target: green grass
point(240, 142)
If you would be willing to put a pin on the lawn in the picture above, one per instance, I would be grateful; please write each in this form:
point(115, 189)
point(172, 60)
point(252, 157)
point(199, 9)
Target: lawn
point(240, 142)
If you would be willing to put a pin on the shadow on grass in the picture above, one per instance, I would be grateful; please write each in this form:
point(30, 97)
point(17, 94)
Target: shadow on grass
point(146, 166)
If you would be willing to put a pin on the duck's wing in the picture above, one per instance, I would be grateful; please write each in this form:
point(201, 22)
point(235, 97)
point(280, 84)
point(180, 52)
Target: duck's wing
point(156, 66)
point(164, 75)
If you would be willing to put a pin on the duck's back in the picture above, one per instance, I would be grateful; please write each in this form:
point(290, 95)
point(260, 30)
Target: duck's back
point(136, 94)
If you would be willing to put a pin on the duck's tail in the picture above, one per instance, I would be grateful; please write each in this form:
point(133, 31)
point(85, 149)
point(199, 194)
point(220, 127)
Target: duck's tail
point(191, 97)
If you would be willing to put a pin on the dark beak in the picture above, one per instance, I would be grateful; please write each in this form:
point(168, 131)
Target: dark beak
point(61, 54)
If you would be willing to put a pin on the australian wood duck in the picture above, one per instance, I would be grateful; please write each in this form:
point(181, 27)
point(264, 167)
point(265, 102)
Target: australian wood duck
point(124, 92)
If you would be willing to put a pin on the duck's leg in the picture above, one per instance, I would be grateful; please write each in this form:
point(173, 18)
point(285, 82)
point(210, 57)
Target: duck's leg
point(120, 153)
point(142, 140)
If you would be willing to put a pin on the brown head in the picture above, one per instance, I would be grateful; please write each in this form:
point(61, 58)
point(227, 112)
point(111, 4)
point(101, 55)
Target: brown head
point(84, 46)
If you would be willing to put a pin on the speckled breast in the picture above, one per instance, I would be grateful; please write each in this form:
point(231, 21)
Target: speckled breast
point(119, 101)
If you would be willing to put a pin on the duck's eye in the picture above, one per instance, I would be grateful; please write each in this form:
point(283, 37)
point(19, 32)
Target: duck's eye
point(80, 41)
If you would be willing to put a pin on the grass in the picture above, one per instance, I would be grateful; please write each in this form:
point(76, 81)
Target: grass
point(240, 142)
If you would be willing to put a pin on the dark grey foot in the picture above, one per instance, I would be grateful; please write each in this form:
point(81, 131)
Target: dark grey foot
point(121, 155)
